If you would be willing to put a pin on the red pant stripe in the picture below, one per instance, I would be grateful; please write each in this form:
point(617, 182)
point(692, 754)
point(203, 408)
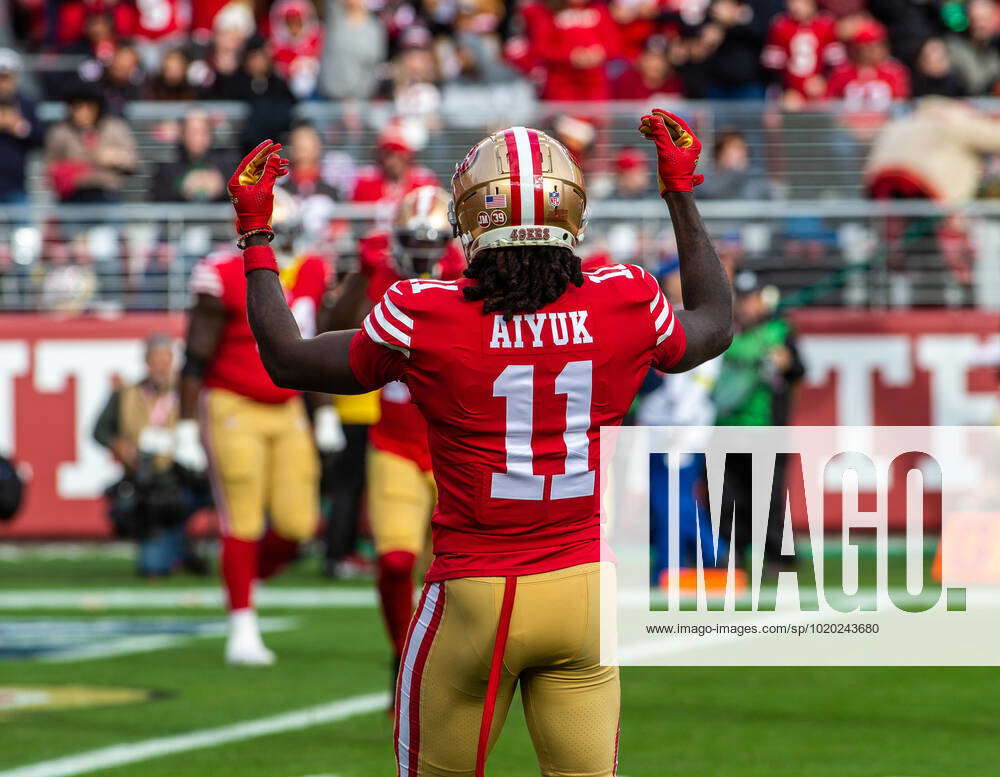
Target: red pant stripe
point(496, 665)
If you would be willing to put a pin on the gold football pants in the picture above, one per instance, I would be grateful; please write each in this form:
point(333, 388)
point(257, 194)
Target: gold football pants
point(262, 460)
point(401, 498)
point(449, 711)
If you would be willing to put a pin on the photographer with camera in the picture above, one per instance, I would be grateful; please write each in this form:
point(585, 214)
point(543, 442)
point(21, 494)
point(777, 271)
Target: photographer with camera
point(155, 497)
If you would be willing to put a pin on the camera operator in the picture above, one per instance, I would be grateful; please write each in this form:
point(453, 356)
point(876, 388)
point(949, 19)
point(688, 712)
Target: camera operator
point(155, 498)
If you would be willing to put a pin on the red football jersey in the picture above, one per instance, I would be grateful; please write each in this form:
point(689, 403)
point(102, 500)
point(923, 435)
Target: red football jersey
point(401, 429)
point(801, 50)
point(237, 366)
point(514, 409)
point(870, 88)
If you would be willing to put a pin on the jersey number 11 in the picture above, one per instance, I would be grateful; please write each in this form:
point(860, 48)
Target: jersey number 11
point(516, 384)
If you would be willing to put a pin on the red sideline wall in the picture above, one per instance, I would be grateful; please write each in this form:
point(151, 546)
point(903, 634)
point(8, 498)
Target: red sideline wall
point(901, 368)
point(55, 375)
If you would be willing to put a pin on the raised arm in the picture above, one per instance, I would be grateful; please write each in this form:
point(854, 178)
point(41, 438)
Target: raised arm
point(707, 316)
point(318, 364)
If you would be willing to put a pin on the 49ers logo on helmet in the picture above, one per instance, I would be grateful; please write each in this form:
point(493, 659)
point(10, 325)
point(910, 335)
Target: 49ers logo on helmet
point(518, 185)
point(530, 233)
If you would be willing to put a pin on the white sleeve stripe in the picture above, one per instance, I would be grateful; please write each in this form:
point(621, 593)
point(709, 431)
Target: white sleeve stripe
point(664, 315)
point(374, 335)
point(654, 300)
point(611, 268)
point(402, 337)
point(396, 313)
point(666, 334)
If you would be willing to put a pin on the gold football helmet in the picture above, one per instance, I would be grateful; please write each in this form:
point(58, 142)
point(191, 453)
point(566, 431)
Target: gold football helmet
point(518, 187)
point(421, 231)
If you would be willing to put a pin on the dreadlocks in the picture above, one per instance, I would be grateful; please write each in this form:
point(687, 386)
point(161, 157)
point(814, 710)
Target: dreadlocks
point(521, 279)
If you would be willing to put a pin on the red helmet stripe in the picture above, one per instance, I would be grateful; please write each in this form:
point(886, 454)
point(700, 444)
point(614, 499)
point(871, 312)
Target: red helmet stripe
point(536, 173)
point(515, 176)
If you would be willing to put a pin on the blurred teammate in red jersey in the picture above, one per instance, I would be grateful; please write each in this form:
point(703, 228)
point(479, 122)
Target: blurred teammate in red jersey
point(394, 173)
point(253, 436)
point(515, 367)
point(802, 46)
point(871, 80)
point(401, 491)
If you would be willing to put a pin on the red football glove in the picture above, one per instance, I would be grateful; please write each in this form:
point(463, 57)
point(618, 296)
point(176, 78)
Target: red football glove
point(251, 188)
point(677, 151)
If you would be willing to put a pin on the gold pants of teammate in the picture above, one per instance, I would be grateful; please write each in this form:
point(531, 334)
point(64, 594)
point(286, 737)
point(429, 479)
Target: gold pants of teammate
point(401, 498)
point(571, 702)
point(262, 460)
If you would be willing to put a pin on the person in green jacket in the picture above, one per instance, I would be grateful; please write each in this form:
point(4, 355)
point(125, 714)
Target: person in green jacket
point(755, 388)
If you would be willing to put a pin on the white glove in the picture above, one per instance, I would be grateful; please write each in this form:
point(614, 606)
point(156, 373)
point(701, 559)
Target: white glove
point(188, 450)
point(327, 431)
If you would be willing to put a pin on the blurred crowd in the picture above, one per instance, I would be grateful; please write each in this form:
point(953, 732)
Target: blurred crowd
point(407, 51)
point(413, 63)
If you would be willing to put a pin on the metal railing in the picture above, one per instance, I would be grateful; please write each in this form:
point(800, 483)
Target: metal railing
point(850, 253)
point(814, 154)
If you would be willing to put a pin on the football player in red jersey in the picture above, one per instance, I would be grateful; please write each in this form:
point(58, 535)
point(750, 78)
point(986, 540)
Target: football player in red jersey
point(401, 491)
point(516, 367)
point(260, 454)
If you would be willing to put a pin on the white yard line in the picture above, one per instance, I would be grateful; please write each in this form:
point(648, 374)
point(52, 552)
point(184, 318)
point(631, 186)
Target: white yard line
point(119, 755)
point(27, 552)
point(146, 643)
point(174, 598)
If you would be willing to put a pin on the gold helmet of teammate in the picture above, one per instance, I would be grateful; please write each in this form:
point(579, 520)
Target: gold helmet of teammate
point(421, 231)
point(518, 187)
point(286, 222)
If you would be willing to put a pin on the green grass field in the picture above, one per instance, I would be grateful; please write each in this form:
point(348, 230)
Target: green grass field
point(869, 722)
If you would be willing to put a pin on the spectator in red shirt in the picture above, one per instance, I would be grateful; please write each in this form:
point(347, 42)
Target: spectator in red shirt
point(393, 174)
point(801, 46)
point(100, 35)
point(871, 80)
point(637, 23)
point(296, 42)
point(651, 76)
point(159, 25)
point(203, 13)
point(572, 40)
point(632, 178)
point(76, 17)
